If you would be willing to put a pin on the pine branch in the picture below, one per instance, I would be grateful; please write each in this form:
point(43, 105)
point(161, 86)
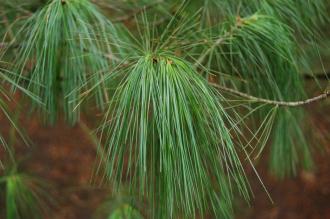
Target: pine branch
point(320, 97)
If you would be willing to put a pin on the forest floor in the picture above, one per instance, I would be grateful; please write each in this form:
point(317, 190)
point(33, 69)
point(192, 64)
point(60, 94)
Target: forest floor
point(65, 157)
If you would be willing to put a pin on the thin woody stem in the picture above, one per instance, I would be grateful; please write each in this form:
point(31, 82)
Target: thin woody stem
point(320, 97)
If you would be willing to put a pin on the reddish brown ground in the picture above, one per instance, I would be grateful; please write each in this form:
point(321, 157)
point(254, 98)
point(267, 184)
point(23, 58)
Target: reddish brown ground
point(65, 157)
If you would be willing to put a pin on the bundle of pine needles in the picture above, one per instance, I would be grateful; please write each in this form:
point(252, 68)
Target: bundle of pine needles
point(61, 45)
point(166, 130)
point(25, 196)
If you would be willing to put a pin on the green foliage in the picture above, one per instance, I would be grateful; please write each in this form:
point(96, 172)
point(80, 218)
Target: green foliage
point(3, 105)
point(120, 206)
point(165, 128)
point(24, 195)
point(304, 16)
point(259, 51)
point(125, 212)
point(5, 97)
point(167, 132)
point(61, 44)
point(289, 149)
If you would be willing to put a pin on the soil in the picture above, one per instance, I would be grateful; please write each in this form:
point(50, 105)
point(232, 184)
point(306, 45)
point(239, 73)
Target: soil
point(65, 156)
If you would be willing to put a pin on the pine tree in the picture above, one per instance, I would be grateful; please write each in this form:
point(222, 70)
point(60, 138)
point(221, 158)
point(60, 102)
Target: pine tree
point(188, 92)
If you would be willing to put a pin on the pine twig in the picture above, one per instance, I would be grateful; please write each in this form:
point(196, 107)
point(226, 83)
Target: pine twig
point(320, 97)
